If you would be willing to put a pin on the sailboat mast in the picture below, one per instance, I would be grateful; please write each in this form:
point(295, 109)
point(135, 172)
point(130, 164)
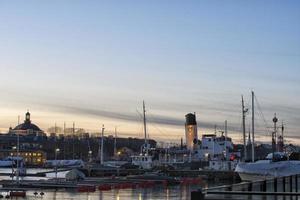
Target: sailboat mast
point(18, 155)
point(115, 142)
point(244, 128)
point(225, 143)
point(102, 135)
point(18, 150)
point(64, 140)
point(73, 140)
point(145, 127)
point(253, 156)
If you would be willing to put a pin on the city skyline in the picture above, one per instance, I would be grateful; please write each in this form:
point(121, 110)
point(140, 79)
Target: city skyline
point(94, 63)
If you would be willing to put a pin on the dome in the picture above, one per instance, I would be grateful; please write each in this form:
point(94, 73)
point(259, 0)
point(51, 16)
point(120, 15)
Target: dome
point(27, 125)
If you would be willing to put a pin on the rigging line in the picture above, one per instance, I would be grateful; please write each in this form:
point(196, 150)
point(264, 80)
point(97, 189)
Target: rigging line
point(153, 124)
point(264, 119)
point(152, 117)
point(160, 131)
point(141, 118)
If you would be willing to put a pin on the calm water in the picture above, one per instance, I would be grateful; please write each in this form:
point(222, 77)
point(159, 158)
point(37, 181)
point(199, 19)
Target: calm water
point(158, 192)
point(180, 193)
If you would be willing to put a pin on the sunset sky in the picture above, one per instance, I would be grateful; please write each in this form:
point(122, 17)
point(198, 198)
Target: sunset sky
point(94, 62)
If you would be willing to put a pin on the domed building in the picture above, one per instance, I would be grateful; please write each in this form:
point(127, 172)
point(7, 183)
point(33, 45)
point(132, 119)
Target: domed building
point(27, 128)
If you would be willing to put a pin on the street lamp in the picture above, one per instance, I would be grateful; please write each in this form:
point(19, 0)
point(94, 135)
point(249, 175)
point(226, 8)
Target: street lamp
point(90, 156)
point(56, 152)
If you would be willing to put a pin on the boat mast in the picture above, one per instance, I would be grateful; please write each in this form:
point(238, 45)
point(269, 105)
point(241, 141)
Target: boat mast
point(18, 150)
point(274, 135)
point(253, 156)
point(64, 140)
point(73, 140)
point(244, 111)
point(102, 135)
point(115, 142)
point(225, 146)
point(145, 127)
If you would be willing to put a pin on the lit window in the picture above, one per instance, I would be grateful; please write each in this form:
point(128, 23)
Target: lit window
point(33, 154)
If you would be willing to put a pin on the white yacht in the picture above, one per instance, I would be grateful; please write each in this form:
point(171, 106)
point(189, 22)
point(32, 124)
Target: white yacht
point(278, 166)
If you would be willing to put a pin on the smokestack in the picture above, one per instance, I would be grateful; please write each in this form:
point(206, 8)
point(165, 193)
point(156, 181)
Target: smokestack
point(191, 131)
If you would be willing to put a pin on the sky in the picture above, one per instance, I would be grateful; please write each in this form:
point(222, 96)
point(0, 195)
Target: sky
point(94, 62)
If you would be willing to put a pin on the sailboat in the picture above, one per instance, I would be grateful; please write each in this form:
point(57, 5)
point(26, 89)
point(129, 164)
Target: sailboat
point(144, 160)
point(276, 164)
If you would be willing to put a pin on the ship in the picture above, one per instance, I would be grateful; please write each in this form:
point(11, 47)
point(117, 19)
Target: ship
point(271, 167)
point(275, 165)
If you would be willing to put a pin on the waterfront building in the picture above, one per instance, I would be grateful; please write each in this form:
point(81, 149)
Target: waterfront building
point(27, 128)
point(30, 157)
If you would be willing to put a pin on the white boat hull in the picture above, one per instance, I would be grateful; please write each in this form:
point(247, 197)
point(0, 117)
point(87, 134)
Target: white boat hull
point(254, 177)
point(266, 169)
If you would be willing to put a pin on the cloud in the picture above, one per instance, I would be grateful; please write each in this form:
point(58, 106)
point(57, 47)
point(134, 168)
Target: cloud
point(137, 117)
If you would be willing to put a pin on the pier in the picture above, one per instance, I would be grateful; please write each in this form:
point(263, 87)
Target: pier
point(262, 189)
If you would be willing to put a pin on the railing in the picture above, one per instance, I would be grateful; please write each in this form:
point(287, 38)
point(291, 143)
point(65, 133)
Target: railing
point(264, 189)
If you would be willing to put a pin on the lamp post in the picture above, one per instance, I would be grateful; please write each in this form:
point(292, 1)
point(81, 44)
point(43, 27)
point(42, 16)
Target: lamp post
point(90, 155)
point(56, 152)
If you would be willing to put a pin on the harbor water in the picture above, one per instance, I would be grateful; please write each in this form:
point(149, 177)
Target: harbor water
point(180, 192)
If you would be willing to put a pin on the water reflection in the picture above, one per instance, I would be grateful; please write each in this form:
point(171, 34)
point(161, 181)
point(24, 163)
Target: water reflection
point(180, 192)
point(174, 192)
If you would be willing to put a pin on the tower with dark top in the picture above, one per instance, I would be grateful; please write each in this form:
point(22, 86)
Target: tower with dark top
point(27, 117)
point(191, 133)
point(27, 127)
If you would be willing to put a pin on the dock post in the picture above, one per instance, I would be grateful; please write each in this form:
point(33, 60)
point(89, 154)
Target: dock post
point(275, 184)
point(197, 195)
point(283, 184)
point(291, 183)
point(250, 187)
point(264, 186)
point(296, 182)
point(229, 188)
